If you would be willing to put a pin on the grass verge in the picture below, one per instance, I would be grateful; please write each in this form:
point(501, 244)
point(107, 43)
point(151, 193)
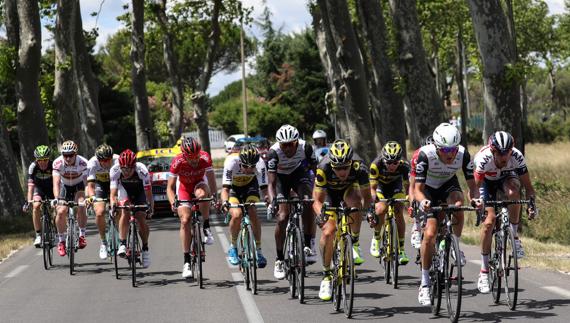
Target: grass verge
point(13, 241)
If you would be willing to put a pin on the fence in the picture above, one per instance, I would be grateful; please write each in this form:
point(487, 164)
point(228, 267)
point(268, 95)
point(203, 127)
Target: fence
point(217, 137)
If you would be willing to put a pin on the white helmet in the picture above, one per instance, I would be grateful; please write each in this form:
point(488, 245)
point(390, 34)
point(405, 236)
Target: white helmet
point(319, 134)
point(287, 133)
point(68, 147)
point(446, 135)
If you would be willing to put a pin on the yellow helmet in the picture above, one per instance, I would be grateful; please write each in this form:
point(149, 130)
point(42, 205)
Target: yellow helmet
point(340, 153)
point(392, 151)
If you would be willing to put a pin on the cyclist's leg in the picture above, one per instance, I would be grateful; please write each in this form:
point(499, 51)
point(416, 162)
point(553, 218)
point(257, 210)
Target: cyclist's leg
point(398, 193)
point(123, 220)
point(38, 195)
point(143, 228)
point(202, 190)
point(380, 208)
point(81, 214)
point(99, 207)
point(511, 187)
point(488, 191)
point(235, 221)
point(326, 242)
point(430, 233)
point(61, 213)
point(283, 189)
point(353, 198)
point(251, 195)
point(454, 197)
point(304, 189)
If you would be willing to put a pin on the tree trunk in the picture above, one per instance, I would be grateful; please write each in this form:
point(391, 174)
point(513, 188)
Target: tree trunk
point(12, 23)
point(459, 68)
point(392, 108)
point(199, 96)
point(143, 122)
point(353, 76)
point(171, 62)
point(336, 104)
point(88, 90)
point(501, 92)
point(424, 101)
point(65, 97)
point(11, 195)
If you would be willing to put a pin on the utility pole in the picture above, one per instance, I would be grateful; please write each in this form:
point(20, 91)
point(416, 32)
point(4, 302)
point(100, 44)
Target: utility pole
point(243, 85)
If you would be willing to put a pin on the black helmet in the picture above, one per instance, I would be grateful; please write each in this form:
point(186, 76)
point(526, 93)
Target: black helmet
point(340, 153)
point(501, 141)
point(104, 151)
point(248, 155)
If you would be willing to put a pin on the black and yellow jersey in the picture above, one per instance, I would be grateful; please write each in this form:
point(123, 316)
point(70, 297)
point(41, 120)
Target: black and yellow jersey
point(380, 174)
point(327, 179)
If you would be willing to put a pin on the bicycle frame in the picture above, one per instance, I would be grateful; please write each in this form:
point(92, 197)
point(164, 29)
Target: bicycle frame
point(133, 244)
point(72, 241)
point(390, 242)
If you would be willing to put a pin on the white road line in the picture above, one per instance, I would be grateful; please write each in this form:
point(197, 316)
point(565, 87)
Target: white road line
point(16, 271)
point(251, 310)
point(40, 253)
point(476, 262)
point(557, 290)
point(225, 245)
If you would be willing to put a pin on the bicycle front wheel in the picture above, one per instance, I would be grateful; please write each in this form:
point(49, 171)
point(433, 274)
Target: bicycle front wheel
point(299, 265)
point(348, 275)
point(337, 272)
point(252, 259)
point(198, 250)
point(71, 246)
point(452, 277)
point(394, 252)
point(133, 240)
point(496, 270)
point(47, 237)
point(436, 277)
point(113, 241)
point(385, 251)
point(511, 268)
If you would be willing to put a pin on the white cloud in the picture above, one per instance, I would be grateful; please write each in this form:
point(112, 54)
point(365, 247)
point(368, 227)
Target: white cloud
point(555, 6)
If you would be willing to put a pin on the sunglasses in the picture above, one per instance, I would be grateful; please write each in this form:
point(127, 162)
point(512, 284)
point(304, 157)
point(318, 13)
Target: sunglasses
point(105, 160)
point(341, 167)
point(502, 153)
point(448, 150)
point(42, 159)
point(247, 166)
point(391, 162)
point(287, 144)
point(126, 168)
point(68, 155)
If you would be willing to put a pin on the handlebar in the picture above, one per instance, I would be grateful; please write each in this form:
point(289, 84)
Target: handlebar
point(241, 205)
point(452, 208)
point(293, 201)
point(392, 201)
point(69, 203)
point(508, 202)
point(142, 207)
point(195, 201)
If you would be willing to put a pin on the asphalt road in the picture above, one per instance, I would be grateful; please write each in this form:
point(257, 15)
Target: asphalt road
point(28, 293)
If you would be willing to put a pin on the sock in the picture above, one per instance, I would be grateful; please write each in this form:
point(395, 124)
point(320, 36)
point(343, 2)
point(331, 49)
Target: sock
point(206, 224)
point(61, 237)
point(425, 277)
point(258, 244)
point(186, 257)
point(280, 255)
point(327, 271)
point(377, 235)
point(484, 263)
point(38, 233)
point(308, 240)
point(355, 237)
point(401, 242)
point(515, 228)
point(145, 247)
point(123, 242)
point(82, 232)
point(234, 240)
point(416, 225)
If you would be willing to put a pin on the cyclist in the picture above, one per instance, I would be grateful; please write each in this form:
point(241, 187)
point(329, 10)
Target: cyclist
point(69, 175)
point(436, 183)
point(416, 236)
point(320, 144)
point(243, 177)
point(499, 166)
point(130, 184)
point(387, 175)
point(98, 187)
point(40, 187)
point(340, 177)
point(191, 176)
point(290, 162)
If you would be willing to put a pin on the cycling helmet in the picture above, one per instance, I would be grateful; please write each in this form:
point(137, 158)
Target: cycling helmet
point(392, 151)
point(190, 148)
point(104, 151)
point(127, 158)
point(69, 147)
point(501, 141)
point(446, 135)
point(287, 133)
point(340, 153)
point(42, 152)
point(248, 155)
point(319, 134)
point(428, 140)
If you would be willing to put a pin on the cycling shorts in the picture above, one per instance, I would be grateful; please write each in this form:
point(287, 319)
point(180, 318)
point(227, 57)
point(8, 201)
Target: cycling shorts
point(334, 197)
point(390, 190)
point(186, 192)
point(67, 193)
point(102, 190)
point(42, 193)
point(247, 193)
point(489, 189)
point(439, 195)
point(299, 181)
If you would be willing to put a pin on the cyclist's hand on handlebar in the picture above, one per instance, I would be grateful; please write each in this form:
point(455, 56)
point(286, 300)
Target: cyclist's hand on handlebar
point(26, 206)
point(372, 218)
point(477, 203)
point(425, 205)
point(174, 206)
point(225, 206)
point(54, 202)
point(532, 209)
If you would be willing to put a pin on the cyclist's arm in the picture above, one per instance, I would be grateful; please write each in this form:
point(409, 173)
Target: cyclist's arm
point(272, 162)
point(271, 187)
point(411, 188)
point(373, 177)
point(31, 183)
point(525, 180)
point(171, 188)
point(211, 176)
point(90, 190)
point(56, 184)
point(419, 191)
point(264, 193)
point(473, 189)
point(319, 196)
point(113, 197)
point(225, 194)
point(149, 199)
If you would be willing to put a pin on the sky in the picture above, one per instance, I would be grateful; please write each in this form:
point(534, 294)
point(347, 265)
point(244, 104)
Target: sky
point(290, 15)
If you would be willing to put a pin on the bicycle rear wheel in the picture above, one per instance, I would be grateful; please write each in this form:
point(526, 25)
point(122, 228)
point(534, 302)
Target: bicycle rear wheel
point(496, 270)
point(299, 265)
point(348, 276)
point(252, 259)
point(511, 269)
point(394, 252)
point(133, 240)
point(452, 278)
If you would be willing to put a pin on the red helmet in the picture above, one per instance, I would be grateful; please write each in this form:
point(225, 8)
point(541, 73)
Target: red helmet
point(127, 158)
point(190, 148)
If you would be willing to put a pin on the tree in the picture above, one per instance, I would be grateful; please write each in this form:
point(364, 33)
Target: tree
point(501, 92)
point(11, 195)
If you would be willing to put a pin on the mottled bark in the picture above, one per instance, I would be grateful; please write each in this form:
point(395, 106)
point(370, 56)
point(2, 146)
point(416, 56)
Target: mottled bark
point(171, 62)
point(501, 92)
point(419, 84)
point(87, 89)
point(65, 95)
point(459, 68)
point(353, 77)
point(198, 97)
point(11, 23)
point(11, 195)
point(391, 108)
point(143, 122)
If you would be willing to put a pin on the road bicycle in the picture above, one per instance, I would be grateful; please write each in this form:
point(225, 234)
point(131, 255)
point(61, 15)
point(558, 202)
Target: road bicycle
point(48, 234)
point(72, 240)
point(293, 247)
point(445, 271)
point(111, 236)
point(133, 243)
point(197, 251)
point(389, 243)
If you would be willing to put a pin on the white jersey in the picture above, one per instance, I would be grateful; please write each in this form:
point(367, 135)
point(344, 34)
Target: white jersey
point(70, 174)
point(98, 173)
point(485, 166)
point(141, 178)
point(278, 162)
point(434, 173)
point(233, 174)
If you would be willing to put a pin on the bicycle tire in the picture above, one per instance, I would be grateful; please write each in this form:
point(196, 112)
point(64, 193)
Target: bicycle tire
point(336, 286)
point(133, 255)
point(46, 241)
point(288, 250)
point(385, 256)
point(113, 241)
point(348, 277)
point(511, 271)
point(436, 278)
point(198, 256)
point(252, 259)
point(71, 245)
point(453, 278)
point(243, 259)
point(496, 270)
point(299, 265)
point(394, 252)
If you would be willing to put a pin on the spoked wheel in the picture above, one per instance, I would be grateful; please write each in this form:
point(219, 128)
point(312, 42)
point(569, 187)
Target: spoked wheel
point(394, 252)
point(436, 277)
point(47, 241)
point(135, 252)
point(71, 247)
point(385, 252)
point(299, 266)
point(452, 278)
point(252, 260)
point(289, 262)
point(113, 241)
point(242, 253)
point(348, 276)
point(336, 286)
point(511, 269)
point(496, 270)
point(198, 251)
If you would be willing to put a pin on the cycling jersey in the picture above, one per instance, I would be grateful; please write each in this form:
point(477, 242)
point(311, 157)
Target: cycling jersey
point(434, 173)
point(186, 173)
point(98, 173)
point(279, 163)
point(131, 188)
point(379, 173)
point(326, 178)
point(42, 180)
point(485, 167)
point(71, 175)
point(234, 176)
